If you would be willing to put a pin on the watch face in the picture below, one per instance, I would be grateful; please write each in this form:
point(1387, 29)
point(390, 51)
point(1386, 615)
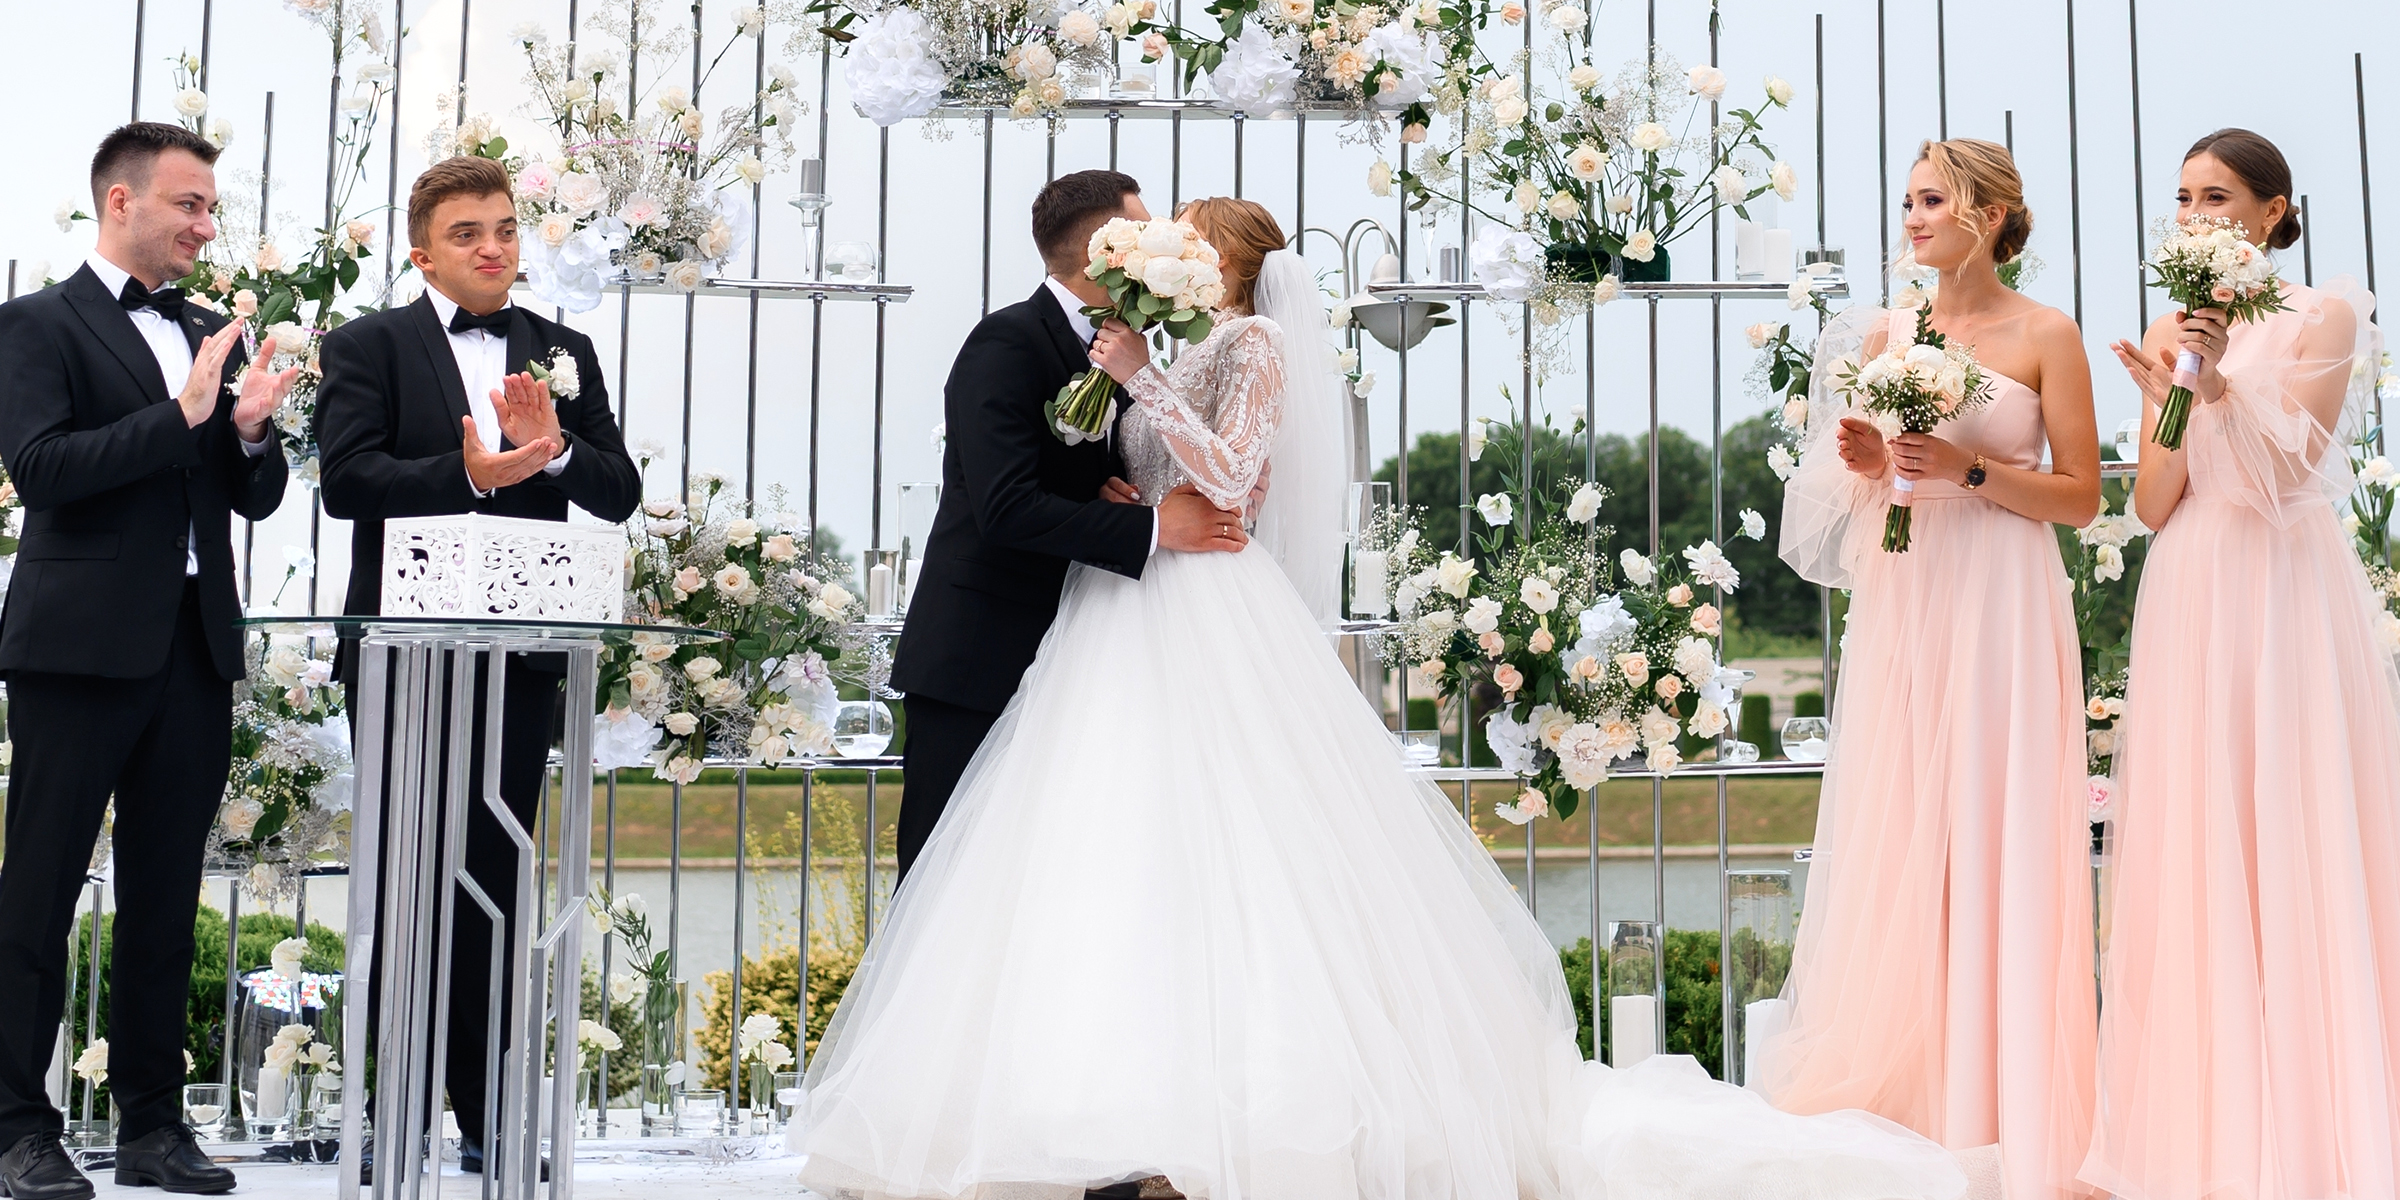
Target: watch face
point(1975, 477)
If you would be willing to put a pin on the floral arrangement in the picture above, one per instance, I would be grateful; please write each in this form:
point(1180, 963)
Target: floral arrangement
point(642, 189)
point(764, 694)
point(652, 983)
point(293, 300)
point(191, 105)
point(903, 60)
point(1157, 273)
point(1371, 57)
point(289, 786)
point(1911, 388)
point(2369, 520)
point(2208, 262)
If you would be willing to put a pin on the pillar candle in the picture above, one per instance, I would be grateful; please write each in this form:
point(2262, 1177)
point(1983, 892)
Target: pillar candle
point(1777, 249)
point(1367, 598)
point(1761, 1019)
point(1632, 1029)
point(1749, 251)
point(879, 590)
point(273, 1094)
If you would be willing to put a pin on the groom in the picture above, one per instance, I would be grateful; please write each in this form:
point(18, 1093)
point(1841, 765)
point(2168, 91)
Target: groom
point(1018, 505)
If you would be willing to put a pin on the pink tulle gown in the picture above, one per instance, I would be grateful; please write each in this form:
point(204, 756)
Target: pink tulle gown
point(2252, 983)
point(1943, 977)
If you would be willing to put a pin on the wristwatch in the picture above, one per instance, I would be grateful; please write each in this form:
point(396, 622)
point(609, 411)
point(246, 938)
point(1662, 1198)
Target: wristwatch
point(1975, 474)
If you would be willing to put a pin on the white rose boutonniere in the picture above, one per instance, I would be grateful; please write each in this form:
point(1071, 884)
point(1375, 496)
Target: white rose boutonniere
point(561, 373)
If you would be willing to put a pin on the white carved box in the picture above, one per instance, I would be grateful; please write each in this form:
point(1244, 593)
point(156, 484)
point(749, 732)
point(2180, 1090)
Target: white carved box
point(475, 566)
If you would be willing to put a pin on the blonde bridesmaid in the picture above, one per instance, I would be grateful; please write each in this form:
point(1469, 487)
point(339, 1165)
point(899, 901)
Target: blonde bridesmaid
point(2252, 982)
point(1944, 971)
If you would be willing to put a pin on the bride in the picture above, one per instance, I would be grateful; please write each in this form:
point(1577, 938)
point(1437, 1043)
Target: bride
point(1188, 921)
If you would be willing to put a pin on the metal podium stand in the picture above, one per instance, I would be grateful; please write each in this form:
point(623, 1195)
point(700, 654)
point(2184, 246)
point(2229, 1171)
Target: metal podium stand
point(415, 711)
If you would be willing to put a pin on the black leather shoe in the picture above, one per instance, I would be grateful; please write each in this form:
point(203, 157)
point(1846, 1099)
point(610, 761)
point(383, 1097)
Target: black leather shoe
point(37, 1168)
point(169, 1159)
point(470, 1160)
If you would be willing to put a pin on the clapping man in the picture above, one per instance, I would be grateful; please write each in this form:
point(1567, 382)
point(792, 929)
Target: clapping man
point(432, 408)
point(132, 440)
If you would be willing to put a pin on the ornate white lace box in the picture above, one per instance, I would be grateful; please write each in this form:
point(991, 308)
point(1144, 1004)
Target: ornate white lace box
point(472, 565)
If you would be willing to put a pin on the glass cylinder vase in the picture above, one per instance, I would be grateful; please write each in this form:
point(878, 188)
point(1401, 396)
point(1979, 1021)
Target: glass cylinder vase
point(664, 1059)
point(1761, 909)
point(1634, 1021)
point(762, 1098)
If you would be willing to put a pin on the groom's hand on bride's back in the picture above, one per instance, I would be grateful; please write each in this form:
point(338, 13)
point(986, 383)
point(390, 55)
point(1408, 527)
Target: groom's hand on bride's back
point(1188, 521)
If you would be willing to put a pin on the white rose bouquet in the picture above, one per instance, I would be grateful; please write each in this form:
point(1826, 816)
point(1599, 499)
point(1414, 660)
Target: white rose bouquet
point(1157, 273)
point(2208, 262)
point(1910, 388)
point(766, 693)
point(289, 785)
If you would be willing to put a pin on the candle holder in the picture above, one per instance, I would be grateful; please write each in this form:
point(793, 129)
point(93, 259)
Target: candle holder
point(918, 503)
point(1761, 908)
point(1634, 1028)
point(862, 728)
point(883, 583)
point(811, 200)
point(1370, 580)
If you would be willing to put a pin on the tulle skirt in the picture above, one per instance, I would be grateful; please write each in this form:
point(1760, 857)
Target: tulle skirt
point(2253, 970)
point(1187, 915)
point(1943, 974)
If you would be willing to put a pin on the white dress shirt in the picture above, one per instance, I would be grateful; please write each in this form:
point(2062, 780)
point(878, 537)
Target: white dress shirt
point(174, 355)
point(1085, 331)
point(482, 366)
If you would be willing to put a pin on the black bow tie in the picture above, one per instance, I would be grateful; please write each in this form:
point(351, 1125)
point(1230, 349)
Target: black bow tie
point(495, 321)
point(166, 301)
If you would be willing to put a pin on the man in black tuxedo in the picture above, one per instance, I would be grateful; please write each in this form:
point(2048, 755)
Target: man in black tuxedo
point(132, 441)
point(1018, 505)
point(430, 409)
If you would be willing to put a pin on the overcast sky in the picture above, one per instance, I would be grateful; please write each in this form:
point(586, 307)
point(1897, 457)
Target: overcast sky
point(2284, 70)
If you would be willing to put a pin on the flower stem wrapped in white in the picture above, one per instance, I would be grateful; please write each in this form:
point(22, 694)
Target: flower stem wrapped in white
point(2208, 262)
point(1910, 388)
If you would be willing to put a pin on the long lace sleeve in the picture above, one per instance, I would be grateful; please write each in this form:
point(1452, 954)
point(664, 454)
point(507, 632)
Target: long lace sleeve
point(1824, 497)
point(2295, 388)
point(1244, 376)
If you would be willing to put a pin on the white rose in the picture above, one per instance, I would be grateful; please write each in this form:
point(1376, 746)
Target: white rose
point(1780, 461)
point(1163, 239)
point(191, 102)
point(1642, 246)
point(1379, 178)
point(686, 275)
point(1584, 77)
point(1166, 277)
point(1650, 137)
point(1638, 570)
point(1584, 505)
point(1454, 576)
point(1706, 82)
point(1497, 509)
point(1732, 188)
point(1754, 525)
point(702, 668)
point(1483, 615)
point(1510, 111)
point(1538, 594)
point(1079, 27)
point(1785, 183)
point(681, 724)
point(555, 228)
point(287, 955)
point(1587, 162)
point(1620, 204)
point(1567, 18)
point(1762, 333)
point(1528, 196)
point(1565, 207)
point(1779, 90)
point(1606, 290)
point(741, 532)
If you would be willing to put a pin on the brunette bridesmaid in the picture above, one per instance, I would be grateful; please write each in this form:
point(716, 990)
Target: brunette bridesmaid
point(1944, 971)
point(2252, 980)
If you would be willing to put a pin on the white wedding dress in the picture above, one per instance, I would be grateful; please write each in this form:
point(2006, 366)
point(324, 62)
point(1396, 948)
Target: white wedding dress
point(1188, 915)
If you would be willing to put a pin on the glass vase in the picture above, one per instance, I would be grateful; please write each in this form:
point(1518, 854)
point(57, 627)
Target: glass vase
point(762, 1098)
point(1761, 909)
point(1633, 992)
point(664, 1061)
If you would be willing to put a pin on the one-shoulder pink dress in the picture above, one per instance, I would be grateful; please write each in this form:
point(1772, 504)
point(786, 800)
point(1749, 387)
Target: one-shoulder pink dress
point(2251, 1011)
point(1944, 970)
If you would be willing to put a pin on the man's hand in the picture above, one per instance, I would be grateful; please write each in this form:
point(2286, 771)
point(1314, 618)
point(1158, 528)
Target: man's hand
point(490, 471)
point(199, 395)
point(1117, 491)
point(262, 392)
point(1187, 521)
point(526, 414)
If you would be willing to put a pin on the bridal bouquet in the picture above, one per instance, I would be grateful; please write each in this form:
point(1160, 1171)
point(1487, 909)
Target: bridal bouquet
point(650, 191)
point(1911, 388)
point(1158, 273)
point(764, 694)
point(2208, 262)
point(290, 781)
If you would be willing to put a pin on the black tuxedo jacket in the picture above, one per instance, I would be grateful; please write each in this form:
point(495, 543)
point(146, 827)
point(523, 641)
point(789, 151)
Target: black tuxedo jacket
point(115, 484)
point(1017, 506)
point(388, 434)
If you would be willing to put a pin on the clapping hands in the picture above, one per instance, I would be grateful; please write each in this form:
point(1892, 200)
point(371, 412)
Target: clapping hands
point(528, 418)
point(258, 394)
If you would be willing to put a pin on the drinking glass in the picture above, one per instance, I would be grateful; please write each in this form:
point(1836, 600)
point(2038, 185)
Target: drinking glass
point(862, 728)
point(1804, 738)
point(703, 1112)
point(1421, 747)
point(204, 1109)
point(788, 1097)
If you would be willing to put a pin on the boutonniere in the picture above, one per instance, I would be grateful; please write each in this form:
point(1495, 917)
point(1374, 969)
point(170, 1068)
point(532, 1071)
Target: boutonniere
point(561, 374)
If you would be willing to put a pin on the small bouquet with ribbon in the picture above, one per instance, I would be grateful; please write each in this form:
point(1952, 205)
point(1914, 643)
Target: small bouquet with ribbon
point(1158, 273)
point(2208, 262)
point(1910, 388)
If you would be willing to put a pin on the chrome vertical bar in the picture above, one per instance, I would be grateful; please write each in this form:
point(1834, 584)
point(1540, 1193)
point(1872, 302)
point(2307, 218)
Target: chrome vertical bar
point(2133, 62)
point(574, 881)
point(1300, 174)
point(266, 177)
point(872, 848)
point(987, 239)
point(1941, 73)
point(91, 993)
point(233, 987)
point(608, 945)
point(808, 885)
point(741, 872)
point(2366, 212)
point(2308, 253)
point(691, 317)
point(1716, 525)
point(1883, 165)
point(2074, 174)
point(816, 402)
point(1820, 129)
point(1239, 122)
point(451, 749)
point(675, 880)
point(358, 952)
point(141, 13)
point(391, 180)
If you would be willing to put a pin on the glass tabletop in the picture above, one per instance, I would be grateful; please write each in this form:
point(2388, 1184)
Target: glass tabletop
point(368, 625)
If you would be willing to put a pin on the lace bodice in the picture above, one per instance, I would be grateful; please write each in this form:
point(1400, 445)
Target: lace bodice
point(1209, 419)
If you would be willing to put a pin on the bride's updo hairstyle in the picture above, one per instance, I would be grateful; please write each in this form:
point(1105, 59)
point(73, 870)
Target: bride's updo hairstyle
point(1243, 232)
point(1981, 175)
point(2260, 166)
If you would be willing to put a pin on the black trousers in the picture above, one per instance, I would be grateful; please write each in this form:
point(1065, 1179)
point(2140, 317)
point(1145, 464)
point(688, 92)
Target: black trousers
point(161, 746)
point(528, 728)
point(942, 740)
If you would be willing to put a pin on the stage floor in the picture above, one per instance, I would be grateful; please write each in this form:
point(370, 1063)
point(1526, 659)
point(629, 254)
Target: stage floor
point(599, 1175)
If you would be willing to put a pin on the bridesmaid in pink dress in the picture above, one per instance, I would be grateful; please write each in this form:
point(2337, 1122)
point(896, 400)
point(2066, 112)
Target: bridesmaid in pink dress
point(1944, 971)
point(2252, 981)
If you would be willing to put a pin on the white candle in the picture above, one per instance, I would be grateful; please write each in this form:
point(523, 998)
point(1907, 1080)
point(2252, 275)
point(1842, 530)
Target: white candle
point(1761, 1020)
point(1633, 1029)
point(273, 1094)
point(879, 590)
point(1777, 250)
point(1749, 251)
point(1367, 570)
point(908, 582)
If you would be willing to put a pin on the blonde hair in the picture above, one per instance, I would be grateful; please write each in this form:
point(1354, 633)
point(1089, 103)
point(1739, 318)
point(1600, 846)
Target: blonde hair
point(1981, 175)
point(1243, 232)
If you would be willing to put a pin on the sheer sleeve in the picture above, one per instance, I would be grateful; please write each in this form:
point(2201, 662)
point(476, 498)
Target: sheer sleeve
point(1245, 379)
point(1824, 497)
point(2296, 386)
